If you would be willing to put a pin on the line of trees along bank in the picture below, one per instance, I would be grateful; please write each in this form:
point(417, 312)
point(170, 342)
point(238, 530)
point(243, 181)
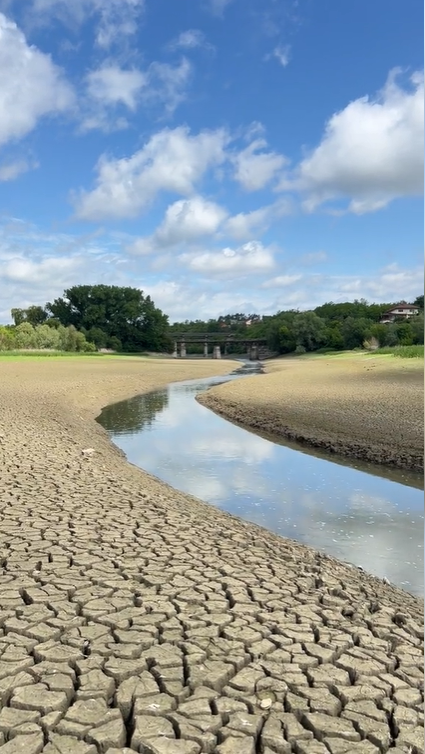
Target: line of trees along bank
point(106, 316)
point(88, 318)
point(331, 326)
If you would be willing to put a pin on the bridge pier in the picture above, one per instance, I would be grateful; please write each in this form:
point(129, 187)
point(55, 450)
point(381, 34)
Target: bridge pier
point(216, 352)
point(253, 352)
point(183, 349)
point(206, 350)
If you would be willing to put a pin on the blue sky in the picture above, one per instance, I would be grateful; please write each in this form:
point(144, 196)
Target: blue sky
point(223, 155)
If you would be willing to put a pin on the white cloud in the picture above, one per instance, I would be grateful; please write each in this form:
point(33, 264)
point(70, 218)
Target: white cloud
point(11, 170)
point(281, 281)
point(167, 84)
point(217, 7)
point(186, 300)
point(189, 40)
point(21, 269)
point(246, 224)
point(185, 221)
point(314, 257)
point(251, 257)
point(31, 85)
point(172, 160)
point(36, 267)
point(254, 167)
point(115, 19)
point(111, 85)
point(281, 53)
point(371, 152)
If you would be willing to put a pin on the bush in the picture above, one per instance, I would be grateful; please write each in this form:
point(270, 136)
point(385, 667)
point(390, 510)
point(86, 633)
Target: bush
point(24, 336)
point(371, 345)
point(404, 352)
point(300, 350)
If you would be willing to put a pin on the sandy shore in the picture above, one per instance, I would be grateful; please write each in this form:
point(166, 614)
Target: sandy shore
point(365, 407)
point(132, 615)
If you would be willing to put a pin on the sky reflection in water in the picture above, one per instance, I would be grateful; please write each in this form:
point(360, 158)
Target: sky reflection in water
point(364, 519)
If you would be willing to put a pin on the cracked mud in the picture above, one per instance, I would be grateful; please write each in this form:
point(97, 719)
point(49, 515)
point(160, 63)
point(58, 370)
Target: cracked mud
point(134, 618)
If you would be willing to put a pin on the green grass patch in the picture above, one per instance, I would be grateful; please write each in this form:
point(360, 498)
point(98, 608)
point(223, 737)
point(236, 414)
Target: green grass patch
point(402, 352)
point(36, 354)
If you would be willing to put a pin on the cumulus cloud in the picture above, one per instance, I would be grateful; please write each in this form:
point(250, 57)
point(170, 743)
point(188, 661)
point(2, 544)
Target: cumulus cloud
point(111, 86)
point(246, 224)
point(11, 170)
point(172, 160)
point(183, 299)
point(371, 152)
point(281, 53)
point(217, 7)
point(189, 40)
point(31, 85)
point(281, 281)
point(21, 269)
point(115, 19)
point(185, 221)
point(314, 257)
point(167, 84)
point(255, 167)
point(251, 257)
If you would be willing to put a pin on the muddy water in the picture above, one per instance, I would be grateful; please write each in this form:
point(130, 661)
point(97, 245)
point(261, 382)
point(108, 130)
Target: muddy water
point(360, 517)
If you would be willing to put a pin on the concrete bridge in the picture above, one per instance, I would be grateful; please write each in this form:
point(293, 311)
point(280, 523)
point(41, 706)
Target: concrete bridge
point(216, 341)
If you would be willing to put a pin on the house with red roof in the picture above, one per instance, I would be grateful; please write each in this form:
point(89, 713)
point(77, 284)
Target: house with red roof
point(399, 311)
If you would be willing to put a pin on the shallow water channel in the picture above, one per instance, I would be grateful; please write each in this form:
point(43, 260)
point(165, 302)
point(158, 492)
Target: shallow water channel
point(372, 521)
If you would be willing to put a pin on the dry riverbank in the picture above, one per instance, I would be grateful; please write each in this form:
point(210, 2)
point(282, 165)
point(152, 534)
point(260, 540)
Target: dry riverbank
point(364, 407)
point(132, 615)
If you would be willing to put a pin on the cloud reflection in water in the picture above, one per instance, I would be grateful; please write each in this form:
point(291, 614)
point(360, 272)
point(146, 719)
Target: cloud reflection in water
point(364, 519)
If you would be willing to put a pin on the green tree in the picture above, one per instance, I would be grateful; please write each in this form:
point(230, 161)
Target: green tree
point(356, 331)
point(333, 336)
point(97, 336)
point(382, 333)
point(419, 301)
point(417, 325)
point(123, 313)
point(46, 337)
point(405, 335)
point(25, 336)
point(35, 315)
point(7, 338)
point(309, 330)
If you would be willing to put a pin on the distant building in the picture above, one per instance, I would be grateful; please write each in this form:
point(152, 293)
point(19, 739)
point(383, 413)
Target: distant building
point(399, 311)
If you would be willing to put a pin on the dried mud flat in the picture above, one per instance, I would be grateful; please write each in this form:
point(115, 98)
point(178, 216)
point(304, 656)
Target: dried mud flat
point(364, 407)
point(134, 618)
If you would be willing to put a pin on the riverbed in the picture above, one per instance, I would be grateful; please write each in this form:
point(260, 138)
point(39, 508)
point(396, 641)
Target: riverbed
point(362, 518)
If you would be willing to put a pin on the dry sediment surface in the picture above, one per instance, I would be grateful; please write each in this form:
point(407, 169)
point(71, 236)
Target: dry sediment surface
point(364, 407)
point(134, 618)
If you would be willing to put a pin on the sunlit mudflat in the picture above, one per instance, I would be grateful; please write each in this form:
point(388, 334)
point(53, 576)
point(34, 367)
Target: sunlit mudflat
point(368, 520)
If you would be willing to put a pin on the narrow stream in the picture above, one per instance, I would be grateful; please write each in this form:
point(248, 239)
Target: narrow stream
point(357, 516)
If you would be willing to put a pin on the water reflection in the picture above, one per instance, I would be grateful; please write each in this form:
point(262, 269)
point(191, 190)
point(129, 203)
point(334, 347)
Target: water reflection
point(130, 417)
point(364, 519)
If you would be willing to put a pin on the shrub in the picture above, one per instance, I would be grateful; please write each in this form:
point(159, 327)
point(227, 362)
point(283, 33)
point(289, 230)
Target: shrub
point(404, 352)
point(24, 336)
point(371, 345)
point(300, 349)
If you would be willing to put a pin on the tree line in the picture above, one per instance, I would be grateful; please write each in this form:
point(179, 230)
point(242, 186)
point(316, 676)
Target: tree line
point(332, 326)
point(92, 317)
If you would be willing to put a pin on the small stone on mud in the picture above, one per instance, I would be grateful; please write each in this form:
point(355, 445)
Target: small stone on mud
point(266, 703)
